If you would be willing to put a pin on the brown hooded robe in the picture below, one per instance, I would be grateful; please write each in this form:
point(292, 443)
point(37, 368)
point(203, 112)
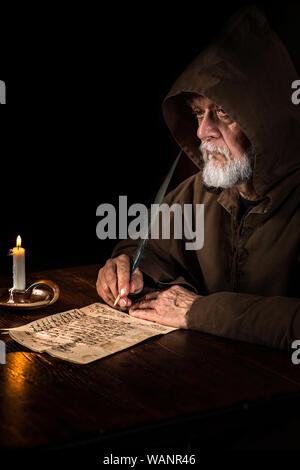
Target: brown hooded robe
point(247, 273)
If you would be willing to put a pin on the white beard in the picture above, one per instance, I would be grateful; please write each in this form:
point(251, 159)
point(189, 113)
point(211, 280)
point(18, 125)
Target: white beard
point(232, 173)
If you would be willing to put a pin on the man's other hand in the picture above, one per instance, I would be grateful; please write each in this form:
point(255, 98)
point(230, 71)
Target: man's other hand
point(114, 279)
point(169, 307)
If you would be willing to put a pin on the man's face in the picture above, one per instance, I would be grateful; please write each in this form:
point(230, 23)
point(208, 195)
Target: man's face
point(225, 148)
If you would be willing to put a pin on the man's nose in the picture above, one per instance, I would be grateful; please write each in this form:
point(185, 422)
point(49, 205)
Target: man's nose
point(208, 127)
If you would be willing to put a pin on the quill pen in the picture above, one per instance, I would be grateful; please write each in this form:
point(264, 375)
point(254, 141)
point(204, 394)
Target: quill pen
point(136, 259)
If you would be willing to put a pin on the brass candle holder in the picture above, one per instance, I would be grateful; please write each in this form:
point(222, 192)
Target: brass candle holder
point(39, 294)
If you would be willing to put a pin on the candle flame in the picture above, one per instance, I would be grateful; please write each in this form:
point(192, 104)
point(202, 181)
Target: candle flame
point(19, 240)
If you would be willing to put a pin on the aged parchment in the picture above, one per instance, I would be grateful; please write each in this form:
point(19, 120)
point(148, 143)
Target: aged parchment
point(86, 334)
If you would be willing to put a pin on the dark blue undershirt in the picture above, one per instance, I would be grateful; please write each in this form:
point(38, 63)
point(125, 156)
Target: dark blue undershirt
point(246, 204)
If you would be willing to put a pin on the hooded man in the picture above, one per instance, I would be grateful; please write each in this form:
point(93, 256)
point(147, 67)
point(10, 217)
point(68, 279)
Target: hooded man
point(231, 112)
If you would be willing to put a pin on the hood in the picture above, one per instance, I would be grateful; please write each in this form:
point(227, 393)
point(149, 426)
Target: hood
point(248, 72)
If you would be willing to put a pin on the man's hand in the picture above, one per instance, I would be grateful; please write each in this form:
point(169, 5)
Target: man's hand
point(169, 307)
point(114, 279)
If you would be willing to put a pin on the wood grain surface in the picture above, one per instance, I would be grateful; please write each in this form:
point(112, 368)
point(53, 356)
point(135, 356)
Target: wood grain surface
point(171, 389)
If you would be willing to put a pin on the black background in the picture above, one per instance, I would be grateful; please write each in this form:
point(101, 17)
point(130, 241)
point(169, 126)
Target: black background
point(83, 123)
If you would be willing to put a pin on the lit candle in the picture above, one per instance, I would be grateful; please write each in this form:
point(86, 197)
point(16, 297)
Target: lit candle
point(18, 254)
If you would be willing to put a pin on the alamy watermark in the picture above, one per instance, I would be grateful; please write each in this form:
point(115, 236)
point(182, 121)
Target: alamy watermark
point(296, 354)
point(2, 92)
point(2, 352)
point(296, 94)
point(158, 218)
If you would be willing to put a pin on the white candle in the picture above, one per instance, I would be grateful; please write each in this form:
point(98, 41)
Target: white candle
point(18, 254)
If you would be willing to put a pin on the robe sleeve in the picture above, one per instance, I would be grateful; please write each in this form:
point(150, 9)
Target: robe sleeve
point(160, 270)
point(272, 321)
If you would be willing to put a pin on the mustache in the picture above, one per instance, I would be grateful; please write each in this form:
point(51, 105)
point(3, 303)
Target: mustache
point(206, 147)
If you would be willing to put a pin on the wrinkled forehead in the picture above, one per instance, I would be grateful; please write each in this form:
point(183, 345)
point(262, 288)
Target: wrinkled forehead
point(194, 100)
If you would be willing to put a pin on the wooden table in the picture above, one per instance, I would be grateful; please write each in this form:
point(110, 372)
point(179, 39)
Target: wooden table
point(185, 390)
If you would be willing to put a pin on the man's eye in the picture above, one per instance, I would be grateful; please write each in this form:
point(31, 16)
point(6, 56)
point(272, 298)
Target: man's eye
point(222, 113)
point(198, 114)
